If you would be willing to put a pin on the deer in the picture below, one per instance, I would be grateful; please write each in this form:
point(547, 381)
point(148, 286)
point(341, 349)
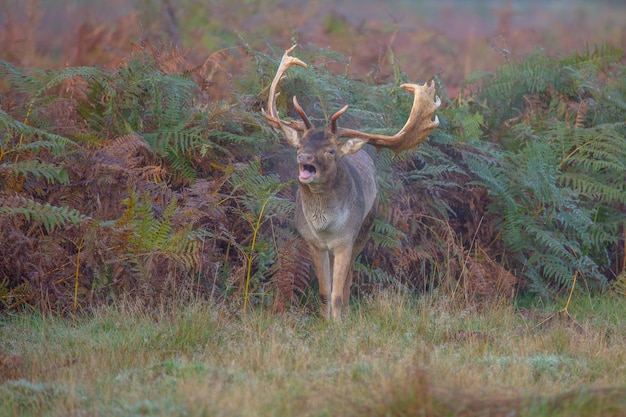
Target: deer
point(336, 201)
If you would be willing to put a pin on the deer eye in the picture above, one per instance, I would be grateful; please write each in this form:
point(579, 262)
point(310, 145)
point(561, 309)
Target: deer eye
point(331, 151)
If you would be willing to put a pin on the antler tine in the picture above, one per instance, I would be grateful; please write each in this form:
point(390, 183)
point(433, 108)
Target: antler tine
point(417, 127)
point(301, 113)
point(271, 115)
point(333, 119)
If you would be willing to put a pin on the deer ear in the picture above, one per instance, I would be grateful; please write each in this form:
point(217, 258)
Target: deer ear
point(351, 146)
point(291, 135)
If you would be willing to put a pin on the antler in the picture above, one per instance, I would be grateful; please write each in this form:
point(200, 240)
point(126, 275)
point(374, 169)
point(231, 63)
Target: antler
point(289, 128)
point(416, 128)
point(414, 132)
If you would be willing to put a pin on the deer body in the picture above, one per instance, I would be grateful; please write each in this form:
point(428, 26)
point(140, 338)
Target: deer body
point(337, 193)
point(335, 218)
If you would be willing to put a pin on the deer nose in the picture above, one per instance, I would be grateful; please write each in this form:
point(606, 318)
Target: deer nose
point(305, 158)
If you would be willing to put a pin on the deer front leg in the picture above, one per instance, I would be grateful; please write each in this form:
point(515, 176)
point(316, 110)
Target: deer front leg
point(342, 266)
point(322, 267)
point(347, 285)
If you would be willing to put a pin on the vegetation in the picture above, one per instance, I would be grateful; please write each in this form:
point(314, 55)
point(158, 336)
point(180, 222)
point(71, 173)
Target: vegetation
point(431, 357)
point(143, 190)
point(145, 211)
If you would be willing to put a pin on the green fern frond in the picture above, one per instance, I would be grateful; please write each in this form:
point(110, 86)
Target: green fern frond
point(181, 163)
point(160, 230)
point(148, 232)
point(546, 269)
point(35, 82)
point(27, 82)
point(513, 223)
point(48, 215)
point(504, 95)
point(181, 138)
point(235, 138)
point(54, 143)
point(598, 58)
point(52, 173)
point(470, 125)
point(57, 145)
point(260, 190)
point(551, 242)
point(432, 174)
point(589, 187)
point(52, 78)
point(376, 276)
point(385, 235)
point(154, 235)
point(493, 177)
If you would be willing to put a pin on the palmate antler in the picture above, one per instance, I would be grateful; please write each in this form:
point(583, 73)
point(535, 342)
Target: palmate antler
point(415, 131)
point(416, 128)
point(291, 128)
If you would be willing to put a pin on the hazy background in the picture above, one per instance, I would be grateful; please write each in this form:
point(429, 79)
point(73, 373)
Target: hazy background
point(452, 39)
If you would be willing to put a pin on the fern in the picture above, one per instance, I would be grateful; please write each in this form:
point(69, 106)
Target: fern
point(55, 143)
point(140, 98)
point(555, 176)
point(52, 173)
point(590, 62)
point(469, 125)
point(51, 217)
point(52, 78)
point(385, 235)
point(291, 275)
point(507, 92)
point(259, 192)
point(36, 82)
point(260, 203)
point(542, 221)
point(21, 81)
point(155, 238)
point(493, 177)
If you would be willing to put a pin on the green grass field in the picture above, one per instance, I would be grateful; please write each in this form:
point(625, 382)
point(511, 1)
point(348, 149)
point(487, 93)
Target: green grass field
point(394, 355)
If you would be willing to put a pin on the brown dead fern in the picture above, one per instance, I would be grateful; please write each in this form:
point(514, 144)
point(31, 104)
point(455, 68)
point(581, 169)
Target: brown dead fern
point(485, 280)
point(291, 275)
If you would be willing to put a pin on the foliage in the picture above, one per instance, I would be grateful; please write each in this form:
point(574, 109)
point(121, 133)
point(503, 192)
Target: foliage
point(61, 199)
point(554, 166)
point(138, 180)
point(151, 96)
point(49, 216)
point(258, 202)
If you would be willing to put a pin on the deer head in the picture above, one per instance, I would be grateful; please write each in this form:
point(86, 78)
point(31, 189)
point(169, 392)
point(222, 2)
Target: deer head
point(337, 190)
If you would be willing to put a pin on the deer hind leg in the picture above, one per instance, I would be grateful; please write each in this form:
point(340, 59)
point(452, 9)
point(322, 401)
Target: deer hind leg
point(359, 244)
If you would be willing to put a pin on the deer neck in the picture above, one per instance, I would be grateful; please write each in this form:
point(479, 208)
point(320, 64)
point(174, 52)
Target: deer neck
point(327, 203)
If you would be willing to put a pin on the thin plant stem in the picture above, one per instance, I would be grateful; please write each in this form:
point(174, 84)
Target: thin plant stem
point(250, 255)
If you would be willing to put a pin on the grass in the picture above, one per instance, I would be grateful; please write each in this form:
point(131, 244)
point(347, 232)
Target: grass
point(394, 355)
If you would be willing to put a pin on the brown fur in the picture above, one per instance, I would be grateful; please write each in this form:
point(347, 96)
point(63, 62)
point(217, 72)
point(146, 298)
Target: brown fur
point(334, 213)
point(337, 194)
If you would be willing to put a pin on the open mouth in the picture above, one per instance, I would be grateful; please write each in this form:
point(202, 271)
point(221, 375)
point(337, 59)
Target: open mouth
point(307, 172)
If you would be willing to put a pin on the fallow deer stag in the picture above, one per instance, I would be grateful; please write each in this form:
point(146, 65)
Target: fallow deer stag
point(337, 193)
